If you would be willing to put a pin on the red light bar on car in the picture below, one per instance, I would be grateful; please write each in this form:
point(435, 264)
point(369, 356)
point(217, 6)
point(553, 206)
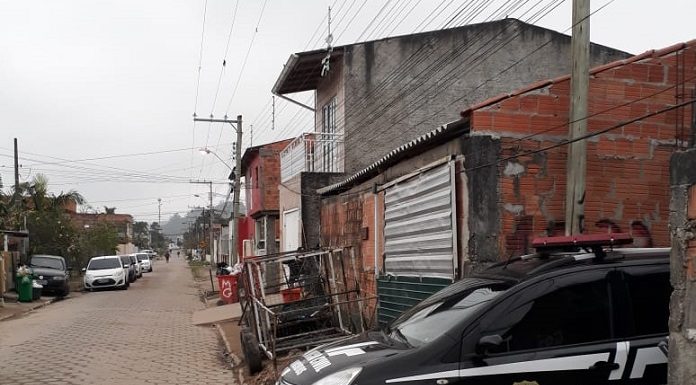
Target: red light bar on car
point(583, 240)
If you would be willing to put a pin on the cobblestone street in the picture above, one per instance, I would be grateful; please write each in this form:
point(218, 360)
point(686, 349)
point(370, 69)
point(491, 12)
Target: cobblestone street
point(139, 336)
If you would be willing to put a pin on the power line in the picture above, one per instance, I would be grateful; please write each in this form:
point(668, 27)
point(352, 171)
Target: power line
point(251, 44)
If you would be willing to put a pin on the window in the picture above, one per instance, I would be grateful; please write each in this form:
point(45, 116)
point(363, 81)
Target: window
point(102, 264)
point(569, 315)
point(649, 297)
point(261, 234)
point(436, 316)
point(328, 142)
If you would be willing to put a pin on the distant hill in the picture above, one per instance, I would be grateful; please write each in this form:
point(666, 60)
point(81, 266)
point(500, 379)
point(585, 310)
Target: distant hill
point(177, 224)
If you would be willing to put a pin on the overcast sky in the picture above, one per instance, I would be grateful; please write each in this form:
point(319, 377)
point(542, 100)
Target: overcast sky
point(100, 94)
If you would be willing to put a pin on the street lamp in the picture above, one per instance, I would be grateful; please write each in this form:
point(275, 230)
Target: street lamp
point(236, 174)
point(206, 150)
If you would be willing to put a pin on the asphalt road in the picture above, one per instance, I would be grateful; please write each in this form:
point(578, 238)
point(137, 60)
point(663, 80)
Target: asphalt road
point(142, 335)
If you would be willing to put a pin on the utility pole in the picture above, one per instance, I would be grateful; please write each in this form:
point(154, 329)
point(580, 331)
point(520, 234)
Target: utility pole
point(159, 212)
point(579, 86)
point(237, 125)
point(210, 215)
point(16, 170)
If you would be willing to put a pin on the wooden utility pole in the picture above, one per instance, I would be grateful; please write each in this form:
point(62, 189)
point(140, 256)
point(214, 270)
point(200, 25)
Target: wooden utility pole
point(579, 86)
point(16, 169)
point(237, 125)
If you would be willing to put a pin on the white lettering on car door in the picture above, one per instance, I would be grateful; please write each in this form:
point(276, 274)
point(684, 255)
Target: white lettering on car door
point(645, 357)
point(621, 358)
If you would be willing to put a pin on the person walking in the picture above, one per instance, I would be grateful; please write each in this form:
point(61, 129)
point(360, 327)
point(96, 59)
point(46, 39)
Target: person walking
point(166, 256)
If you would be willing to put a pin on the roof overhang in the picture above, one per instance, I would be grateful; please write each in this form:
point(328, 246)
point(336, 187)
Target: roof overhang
point(423, 143)
point(302, 71)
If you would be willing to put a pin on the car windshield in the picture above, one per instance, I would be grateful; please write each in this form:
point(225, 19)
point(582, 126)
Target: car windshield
point(438, 314)
point(51, 263)
point(142, 257)
point(104, 263)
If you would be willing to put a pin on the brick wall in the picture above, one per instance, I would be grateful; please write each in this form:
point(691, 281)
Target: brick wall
point(263, 178)
point(627, 180)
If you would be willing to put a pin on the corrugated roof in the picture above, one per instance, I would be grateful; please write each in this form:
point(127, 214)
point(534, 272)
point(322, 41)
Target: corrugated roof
point(432, 138)
point(545, 83)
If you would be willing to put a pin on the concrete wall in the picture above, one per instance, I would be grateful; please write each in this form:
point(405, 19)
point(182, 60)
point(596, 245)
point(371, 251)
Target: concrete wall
point(682, 221)
point(399, 88)
point(289, 198)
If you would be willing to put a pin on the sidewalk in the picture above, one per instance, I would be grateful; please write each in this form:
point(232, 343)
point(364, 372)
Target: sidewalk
point(15, 308)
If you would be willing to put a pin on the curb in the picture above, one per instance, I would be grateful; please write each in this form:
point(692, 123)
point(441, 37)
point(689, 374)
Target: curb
point(29, 310)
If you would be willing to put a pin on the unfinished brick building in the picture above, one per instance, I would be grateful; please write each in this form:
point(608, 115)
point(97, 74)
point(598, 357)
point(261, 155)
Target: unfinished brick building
point(478, 190)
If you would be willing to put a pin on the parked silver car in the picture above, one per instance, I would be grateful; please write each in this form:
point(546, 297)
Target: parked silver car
point(105, 272)
point(145, 262)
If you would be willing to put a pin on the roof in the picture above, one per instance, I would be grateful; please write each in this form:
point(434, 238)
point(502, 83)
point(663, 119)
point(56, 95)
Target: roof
point(302, 71)
point(529, 266)
point(246, 157)
point(421, 143)
point(594, 71)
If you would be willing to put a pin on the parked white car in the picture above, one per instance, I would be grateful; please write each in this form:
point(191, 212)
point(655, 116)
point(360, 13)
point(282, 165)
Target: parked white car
point(104, 272)
point(145, 262)
point(138, 265)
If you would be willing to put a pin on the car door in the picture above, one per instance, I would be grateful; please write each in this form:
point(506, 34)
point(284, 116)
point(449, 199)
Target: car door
point(646, 290)
point(557, 331)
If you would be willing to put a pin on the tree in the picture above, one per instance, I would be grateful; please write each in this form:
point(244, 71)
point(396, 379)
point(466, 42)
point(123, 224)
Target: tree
point(141, 235)
point(99, 239)
point(157, 240)
point(50, 229)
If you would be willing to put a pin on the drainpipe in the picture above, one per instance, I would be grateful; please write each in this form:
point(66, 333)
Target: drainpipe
point(374, 232)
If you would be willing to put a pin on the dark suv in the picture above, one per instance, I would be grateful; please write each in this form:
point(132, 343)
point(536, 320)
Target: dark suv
point(52, 273)
point(561, 316)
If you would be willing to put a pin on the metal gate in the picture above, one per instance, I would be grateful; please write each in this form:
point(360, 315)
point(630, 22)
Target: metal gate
point(420, 225)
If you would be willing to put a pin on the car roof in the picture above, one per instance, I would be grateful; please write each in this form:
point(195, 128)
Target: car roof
point(518, 269)
point(105, 257)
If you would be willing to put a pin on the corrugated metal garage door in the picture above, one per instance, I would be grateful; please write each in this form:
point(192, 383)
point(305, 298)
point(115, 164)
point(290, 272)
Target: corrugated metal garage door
point(419, 227)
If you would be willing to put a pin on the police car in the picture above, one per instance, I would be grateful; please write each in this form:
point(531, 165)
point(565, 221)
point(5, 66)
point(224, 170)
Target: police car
point(576, 312)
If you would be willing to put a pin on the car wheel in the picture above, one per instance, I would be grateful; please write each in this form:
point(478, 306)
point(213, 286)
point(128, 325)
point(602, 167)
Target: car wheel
point(250, 347)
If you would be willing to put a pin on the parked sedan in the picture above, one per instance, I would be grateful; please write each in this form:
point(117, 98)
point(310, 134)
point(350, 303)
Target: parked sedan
point(129, 268)
point(104, 272)
point(51, 272)
point(138, 266)
point(145, 262)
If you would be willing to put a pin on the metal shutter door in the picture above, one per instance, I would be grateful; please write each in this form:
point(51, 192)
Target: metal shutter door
point(419, 230)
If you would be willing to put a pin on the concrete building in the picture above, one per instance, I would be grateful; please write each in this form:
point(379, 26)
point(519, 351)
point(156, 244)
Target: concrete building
point(261, 171)
point(123, 223)
point(479, 189)
point(371, 97)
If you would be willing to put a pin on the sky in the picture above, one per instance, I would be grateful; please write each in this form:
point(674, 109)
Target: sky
point(100, 94)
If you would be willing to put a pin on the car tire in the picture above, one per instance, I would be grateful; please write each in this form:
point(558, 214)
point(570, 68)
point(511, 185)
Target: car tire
point(250, 348)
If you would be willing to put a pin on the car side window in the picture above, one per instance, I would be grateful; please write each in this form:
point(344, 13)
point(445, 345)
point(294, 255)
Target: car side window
point(569, 315)
point(649, 293)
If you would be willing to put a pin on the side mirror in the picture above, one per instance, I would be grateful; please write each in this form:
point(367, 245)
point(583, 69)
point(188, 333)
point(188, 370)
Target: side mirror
point(84, 270)
point(487, 343)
